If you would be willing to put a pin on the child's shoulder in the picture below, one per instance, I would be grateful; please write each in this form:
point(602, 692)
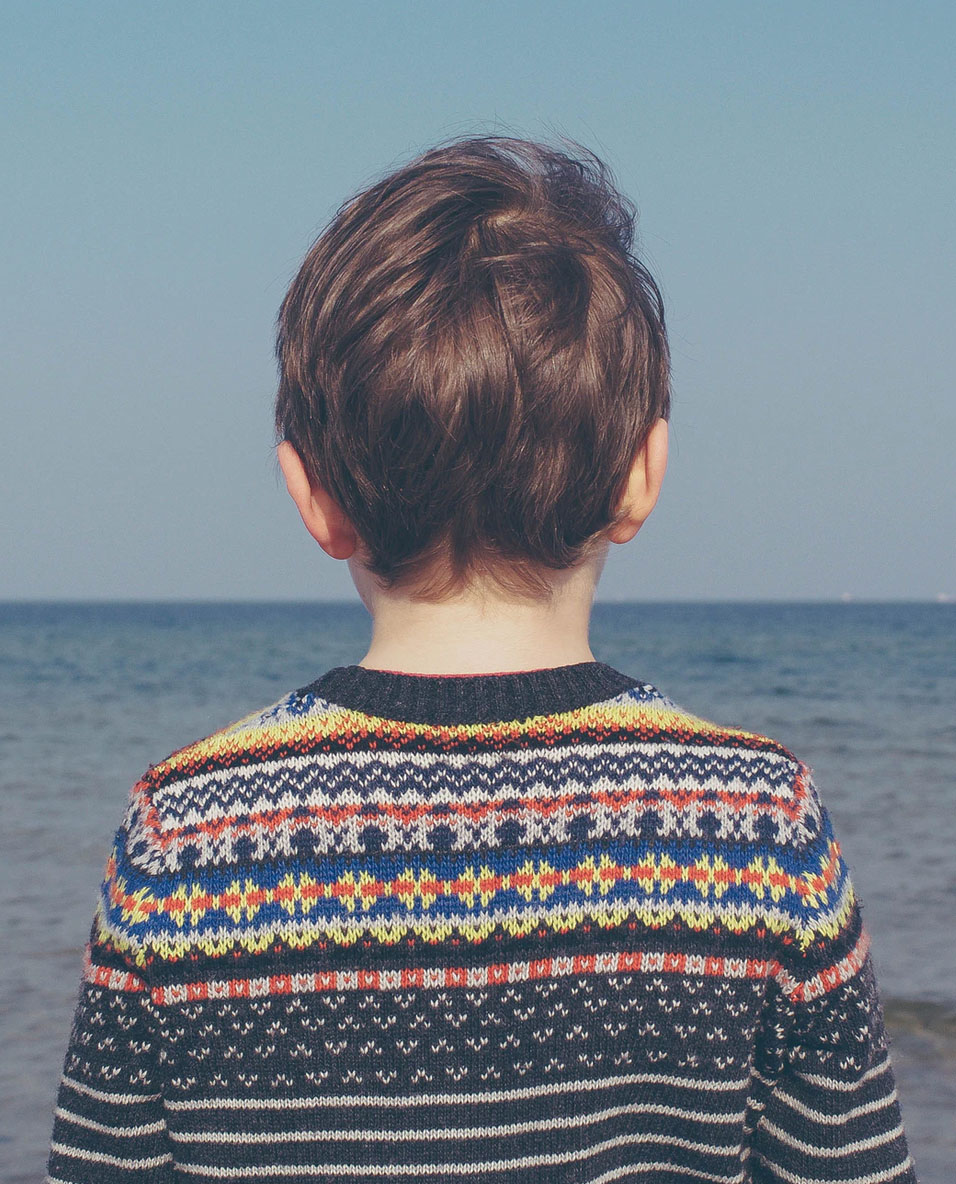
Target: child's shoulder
point(184, 803)
point(251, 739)
point(646, 710)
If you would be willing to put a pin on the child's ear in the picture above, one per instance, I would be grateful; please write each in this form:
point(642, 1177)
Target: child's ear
point(323, 519)
point(644, 484)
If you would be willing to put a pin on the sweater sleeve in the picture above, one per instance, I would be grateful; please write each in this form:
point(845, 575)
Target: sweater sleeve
point(109, 1123)
point(825, 1103)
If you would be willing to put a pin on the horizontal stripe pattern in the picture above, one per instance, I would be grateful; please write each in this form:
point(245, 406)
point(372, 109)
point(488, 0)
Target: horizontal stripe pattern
point(661, 1083)
point(99, 1137)
point(832, 1129)
point(329, 727)
point(412, 886)
point(606, 942)
point(900, 1169)
point(300, 905)
point(637, 961)
point(697, 1130)
point(212, 818)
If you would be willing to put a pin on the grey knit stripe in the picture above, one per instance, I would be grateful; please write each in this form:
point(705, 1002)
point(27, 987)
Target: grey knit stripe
point(472, 1132)
point(101, 1096)
point(847, 1086)
point(462, 1168)
point(681, 1173)
point(821, 1152)
point(880, 1177)
point(116, 1161)
point(122, 1132)
point(501, 1095)
point(825, 1118)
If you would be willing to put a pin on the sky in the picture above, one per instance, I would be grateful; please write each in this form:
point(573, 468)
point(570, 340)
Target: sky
point(166, 166)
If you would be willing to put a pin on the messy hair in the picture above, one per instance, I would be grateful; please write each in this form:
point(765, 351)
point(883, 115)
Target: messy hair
point(471, 357)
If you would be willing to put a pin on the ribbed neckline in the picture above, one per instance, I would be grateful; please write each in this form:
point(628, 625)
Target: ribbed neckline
point(470, 698)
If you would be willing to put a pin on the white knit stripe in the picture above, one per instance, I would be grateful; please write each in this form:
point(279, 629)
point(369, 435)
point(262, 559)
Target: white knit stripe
point(847, 1086)
point(460, 1169)
point(122, 1132)
point(870, 1178)
point(100, 1096)
point(449, 1132)
point(501, 1095)
point(437, 1169)
point(115, 1161)
point(819, 1152)
point(629, 1169)
point(829, 1119)
point(449, 765)
point(436, 1134)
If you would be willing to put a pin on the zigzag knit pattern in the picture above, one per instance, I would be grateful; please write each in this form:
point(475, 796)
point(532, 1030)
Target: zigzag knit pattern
point(509, 928)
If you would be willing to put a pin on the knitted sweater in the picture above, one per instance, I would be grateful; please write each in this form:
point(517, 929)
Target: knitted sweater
point(506, 928)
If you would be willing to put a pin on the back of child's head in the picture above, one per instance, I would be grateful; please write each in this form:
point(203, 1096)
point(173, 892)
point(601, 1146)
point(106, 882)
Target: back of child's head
point(471, 357)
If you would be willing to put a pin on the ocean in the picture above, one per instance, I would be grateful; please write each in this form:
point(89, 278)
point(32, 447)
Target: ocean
point(90, 694)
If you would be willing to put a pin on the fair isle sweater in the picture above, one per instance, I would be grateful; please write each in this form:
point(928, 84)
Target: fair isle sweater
point(500, 928)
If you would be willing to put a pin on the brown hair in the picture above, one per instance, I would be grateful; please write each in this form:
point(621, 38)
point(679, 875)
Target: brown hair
point(471, 357)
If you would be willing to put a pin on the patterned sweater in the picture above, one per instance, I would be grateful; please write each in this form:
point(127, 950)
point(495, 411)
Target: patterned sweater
point(504, 928)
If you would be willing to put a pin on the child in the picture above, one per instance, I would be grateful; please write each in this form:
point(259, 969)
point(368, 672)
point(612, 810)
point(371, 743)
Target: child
point(478, 906)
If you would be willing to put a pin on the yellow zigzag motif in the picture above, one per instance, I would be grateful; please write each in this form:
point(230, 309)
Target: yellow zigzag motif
point(297, 896)
point(300, 936)
point(338, 724)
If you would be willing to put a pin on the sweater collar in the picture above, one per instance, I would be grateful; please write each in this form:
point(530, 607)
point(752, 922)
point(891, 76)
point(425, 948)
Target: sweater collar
point(469, 698)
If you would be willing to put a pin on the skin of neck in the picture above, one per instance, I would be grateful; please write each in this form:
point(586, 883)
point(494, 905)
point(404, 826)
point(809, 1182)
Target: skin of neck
point(480, 631)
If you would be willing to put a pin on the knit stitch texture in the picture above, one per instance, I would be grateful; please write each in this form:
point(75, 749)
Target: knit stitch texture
point(503, 928)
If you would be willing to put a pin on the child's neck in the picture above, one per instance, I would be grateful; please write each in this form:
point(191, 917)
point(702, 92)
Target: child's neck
point(474, 635)
point(490, 657)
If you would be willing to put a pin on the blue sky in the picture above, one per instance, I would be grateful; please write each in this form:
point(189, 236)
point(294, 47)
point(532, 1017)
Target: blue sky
point(167, 166)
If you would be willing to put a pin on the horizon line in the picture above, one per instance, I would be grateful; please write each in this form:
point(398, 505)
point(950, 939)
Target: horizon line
point(843, 599)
